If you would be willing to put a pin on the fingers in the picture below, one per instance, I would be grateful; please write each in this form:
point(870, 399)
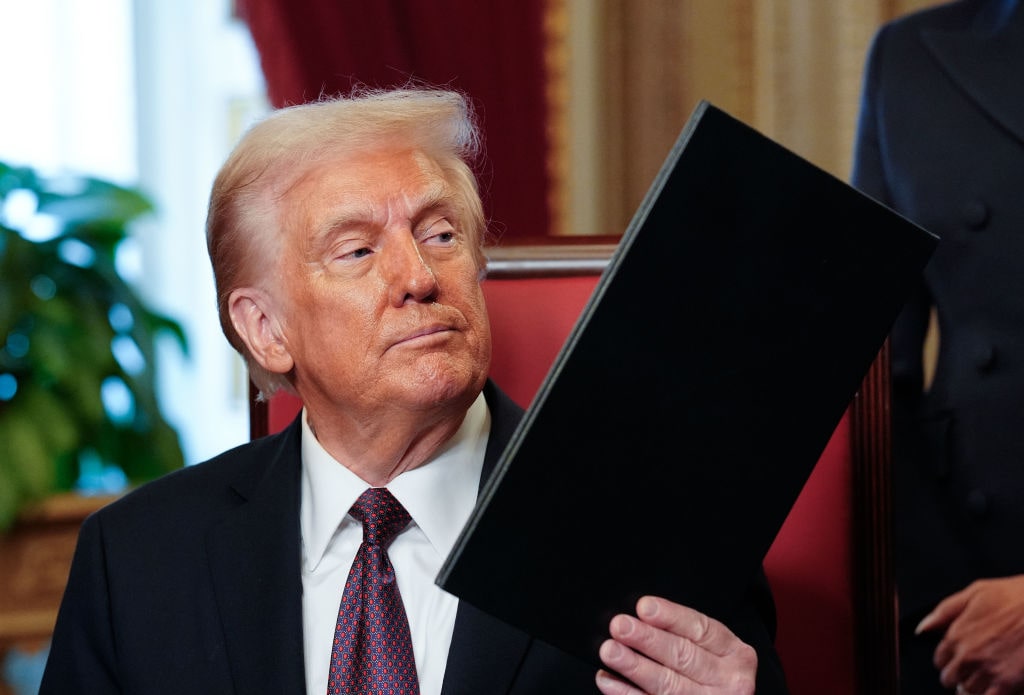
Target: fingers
point(944, 613)
point(670, 649)
point(695, 626)
point(621, 660)
point(980, 650)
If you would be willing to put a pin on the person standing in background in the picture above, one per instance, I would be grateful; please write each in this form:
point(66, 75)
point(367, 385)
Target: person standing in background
point(940, 139)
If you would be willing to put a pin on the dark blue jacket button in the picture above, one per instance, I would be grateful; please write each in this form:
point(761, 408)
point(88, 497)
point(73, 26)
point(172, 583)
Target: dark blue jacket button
point(975, 214)
point(985, 357)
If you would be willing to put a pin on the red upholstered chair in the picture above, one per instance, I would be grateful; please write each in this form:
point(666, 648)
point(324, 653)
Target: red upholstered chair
point(829, 566)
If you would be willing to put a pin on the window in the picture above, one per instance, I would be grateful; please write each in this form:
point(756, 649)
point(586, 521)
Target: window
point(149, 94)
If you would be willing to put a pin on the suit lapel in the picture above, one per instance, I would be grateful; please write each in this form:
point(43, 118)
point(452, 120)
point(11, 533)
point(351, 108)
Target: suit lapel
point(255, 563)
point(486, 653)
point(987, 63)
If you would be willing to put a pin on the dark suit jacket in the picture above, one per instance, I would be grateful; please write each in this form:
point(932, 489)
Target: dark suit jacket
point(941, 140)
point(192, 584)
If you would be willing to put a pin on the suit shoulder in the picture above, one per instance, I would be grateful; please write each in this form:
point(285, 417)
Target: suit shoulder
point(950, 16)
point(202, 488)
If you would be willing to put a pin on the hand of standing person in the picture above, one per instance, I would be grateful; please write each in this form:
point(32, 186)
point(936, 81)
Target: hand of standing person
point(982, 651)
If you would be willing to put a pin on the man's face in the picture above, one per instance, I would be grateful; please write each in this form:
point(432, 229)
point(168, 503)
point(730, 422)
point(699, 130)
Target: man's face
point(379, 288)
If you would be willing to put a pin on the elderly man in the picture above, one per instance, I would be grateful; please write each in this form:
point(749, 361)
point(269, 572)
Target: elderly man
point(346, 240)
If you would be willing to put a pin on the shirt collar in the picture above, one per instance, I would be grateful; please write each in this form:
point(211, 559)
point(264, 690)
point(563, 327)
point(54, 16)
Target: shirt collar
point(439, 495)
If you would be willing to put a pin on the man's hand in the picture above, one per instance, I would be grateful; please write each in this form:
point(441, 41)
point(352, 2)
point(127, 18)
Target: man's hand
point(669, 649)
point(982, 651)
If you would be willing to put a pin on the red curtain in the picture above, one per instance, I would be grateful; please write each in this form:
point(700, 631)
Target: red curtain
point(493, 50)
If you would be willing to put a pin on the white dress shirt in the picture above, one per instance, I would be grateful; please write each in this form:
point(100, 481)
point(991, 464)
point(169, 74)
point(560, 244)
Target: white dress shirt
point(439, 497)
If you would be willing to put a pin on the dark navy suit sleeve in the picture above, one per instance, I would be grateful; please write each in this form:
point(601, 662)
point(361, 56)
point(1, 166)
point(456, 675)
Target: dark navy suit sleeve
point(82, 649)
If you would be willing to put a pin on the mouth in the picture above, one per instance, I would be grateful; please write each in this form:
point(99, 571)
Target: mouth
point(424, 336)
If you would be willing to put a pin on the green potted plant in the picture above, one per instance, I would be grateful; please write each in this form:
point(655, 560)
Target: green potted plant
point(77, 356)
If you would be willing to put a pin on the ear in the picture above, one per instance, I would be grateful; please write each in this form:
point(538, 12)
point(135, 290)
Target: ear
point(252, 315)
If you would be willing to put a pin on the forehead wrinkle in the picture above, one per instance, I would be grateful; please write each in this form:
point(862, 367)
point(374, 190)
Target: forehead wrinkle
point(372, 202)
point(437, 194)
point(361, 210)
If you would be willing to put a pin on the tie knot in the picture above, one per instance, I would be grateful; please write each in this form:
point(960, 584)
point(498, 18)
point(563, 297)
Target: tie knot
point(382, 515)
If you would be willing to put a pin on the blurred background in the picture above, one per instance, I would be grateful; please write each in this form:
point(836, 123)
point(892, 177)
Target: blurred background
point(581, 101)
point(153, 94)
point(150, 95)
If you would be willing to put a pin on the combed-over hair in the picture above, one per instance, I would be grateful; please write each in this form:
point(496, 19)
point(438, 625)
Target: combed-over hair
point(242, 226)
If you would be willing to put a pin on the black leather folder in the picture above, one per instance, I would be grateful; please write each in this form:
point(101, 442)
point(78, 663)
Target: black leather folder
point(690, 403)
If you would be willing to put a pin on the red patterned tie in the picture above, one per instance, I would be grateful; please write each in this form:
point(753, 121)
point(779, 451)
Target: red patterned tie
point(372, 652)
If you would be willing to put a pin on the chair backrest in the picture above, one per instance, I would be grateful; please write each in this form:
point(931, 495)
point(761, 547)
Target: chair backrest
point(829, 566)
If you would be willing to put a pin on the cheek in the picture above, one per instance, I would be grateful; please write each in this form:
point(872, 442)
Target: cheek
point(476, 311)
point(328, 315)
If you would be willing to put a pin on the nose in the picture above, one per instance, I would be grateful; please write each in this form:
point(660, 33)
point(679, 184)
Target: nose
point(409, 274)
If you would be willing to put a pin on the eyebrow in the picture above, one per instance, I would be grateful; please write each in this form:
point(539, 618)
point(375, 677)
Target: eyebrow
point(437, 195)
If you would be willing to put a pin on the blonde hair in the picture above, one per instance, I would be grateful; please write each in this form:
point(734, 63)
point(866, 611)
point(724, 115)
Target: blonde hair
point(242, 221)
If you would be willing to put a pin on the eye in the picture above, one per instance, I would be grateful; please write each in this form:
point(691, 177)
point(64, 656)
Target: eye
point(351, 251)
point(359, 253)
point(439, 231)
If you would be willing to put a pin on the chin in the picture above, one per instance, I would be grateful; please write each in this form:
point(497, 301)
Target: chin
point(438, 387)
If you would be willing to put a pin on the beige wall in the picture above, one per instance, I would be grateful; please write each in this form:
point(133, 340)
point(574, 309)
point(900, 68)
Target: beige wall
point(626, 74)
